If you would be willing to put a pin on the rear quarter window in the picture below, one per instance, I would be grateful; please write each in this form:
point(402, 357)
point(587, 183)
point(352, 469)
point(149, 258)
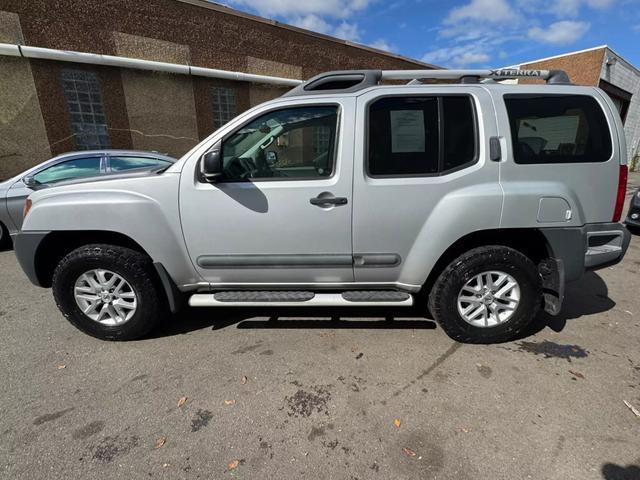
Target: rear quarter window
point(547, 129)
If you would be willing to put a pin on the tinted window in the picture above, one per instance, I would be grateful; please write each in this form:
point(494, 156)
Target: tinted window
point(76, 168)
point(291, 143)
point(129, 163)
point(557, 129)
point(86, 111)
point(459, 136)
point(414, 136)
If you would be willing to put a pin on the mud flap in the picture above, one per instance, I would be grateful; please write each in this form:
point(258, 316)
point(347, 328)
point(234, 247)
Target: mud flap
point(552, 274)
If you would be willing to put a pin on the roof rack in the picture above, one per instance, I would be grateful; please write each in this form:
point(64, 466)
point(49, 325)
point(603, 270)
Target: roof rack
point(347, 81)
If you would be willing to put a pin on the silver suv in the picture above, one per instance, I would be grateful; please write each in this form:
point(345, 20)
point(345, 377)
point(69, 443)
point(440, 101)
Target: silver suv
point(478, 197)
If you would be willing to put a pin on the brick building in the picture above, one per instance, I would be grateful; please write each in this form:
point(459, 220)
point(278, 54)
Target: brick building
point(55, 98)
point(604, 68)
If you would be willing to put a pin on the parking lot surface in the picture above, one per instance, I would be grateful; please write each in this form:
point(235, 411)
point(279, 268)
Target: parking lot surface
point(344, 394)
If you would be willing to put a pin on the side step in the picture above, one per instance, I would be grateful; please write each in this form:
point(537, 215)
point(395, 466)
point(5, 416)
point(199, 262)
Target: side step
point(296, 298)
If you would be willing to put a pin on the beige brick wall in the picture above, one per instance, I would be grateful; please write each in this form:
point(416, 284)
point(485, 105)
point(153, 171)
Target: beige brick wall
point(23, 138)
point(160, 106)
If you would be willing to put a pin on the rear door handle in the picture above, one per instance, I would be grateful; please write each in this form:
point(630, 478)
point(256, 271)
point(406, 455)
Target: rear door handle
point(326, 201)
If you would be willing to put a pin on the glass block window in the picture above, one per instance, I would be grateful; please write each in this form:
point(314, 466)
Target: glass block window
point(321, 139)
point(86, 110)
point(224, 105)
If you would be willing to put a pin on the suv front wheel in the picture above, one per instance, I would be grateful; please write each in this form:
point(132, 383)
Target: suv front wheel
point(109, 292)
point(486, 295)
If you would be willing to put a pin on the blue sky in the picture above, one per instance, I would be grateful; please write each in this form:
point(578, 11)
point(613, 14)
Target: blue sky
point(467, 33)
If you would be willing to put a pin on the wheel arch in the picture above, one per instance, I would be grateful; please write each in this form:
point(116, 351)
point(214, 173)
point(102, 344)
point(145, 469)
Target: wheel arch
point(529, 241)
point(57, 244)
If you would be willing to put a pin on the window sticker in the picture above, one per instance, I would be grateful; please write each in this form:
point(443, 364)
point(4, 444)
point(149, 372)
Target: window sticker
point(407, 131)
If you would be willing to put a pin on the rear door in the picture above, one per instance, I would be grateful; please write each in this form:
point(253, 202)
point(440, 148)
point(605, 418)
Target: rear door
point(562, 156)
point(422, 178)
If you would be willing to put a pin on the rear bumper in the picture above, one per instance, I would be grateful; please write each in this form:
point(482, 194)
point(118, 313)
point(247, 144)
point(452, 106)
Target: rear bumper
point(26, 247)
point(590, 247)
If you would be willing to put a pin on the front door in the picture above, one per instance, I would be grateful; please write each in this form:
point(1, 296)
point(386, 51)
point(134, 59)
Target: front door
point(281, 213)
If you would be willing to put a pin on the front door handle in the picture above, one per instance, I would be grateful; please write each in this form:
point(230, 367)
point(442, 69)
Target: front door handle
point(327, 201)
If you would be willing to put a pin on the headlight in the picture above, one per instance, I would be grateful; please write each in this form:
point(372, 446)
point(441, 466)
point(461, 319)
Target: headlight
point(27, 207)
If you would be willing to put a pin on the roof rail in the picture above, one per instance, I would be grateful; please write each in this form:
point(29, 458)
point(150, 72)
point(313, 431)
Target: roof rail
point(347, 81)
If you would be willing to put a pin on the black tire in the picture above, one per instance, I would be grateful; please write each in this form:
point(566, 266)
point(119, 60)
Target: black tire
point(5, 238)
point(444, 295)
point(135, 267)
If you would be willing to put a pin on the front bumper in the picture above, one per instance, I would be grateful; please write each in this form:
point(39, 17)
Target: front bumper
point(26, 246)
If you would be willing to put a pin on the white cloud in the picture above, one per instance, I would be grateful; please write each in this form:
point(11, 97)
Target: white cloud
point(559, 33)
point(493, 11)
point(562, 8)
point(331, 17)
point(382, 44)
point(312, 22)
point(347, 31)
point(458, 56)
point(302, 8)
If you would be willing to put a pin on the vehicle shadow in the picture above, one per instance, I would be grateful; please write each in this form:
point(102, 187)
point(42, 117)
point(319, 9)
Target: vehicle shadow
point(307, 318)
point(587, 296)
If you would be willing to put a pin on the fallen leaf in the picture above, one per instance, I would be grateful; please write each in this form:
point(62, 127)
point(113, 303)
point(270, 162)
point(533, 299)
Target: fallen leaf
point(182, 401)
point(635, 411)
point(160, 442)
point(408, 452)
point(233, 465)
point(243, 380)
point(229, 402)
point(576, 374)
point(397, 422)
point(60, 367)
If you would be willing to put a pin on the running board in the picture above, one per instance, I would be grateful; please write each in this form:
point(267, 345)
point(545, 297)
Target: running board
point(377, 298)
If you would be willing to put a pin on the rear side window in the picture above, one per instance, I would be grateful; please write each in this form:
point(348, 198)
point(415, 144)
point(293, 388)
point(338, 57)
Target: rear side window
point(421, 136)
point(558, 129)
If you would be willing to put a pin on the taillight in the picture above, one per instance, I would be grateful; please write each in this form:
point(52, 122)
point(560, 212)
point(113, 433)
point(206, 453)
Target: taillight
point(27, 207)
point(622, 191)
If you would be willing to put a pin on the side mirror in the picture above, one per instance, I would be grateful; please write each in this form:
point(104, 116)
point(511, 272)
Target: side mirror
point(29, 181)
point(211, 163)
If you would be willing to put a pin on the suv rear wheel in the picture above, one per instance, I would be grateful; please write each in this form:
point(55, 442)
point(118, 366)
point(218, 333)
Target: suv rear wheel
point(108, 292)
point(486, 295)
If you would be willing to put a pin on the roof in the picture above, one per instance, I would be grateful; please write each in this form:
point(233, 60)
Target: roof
point(568, 54)
point(577, 52)
point(231, 11)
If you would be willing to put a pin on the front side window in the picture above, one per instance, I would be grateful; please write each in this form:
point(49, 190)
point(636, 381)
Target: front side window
point(70, 170)
point(122, 163)
point(557, 129)
point(86, 111)
point(291, 143)
point(419, 136)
